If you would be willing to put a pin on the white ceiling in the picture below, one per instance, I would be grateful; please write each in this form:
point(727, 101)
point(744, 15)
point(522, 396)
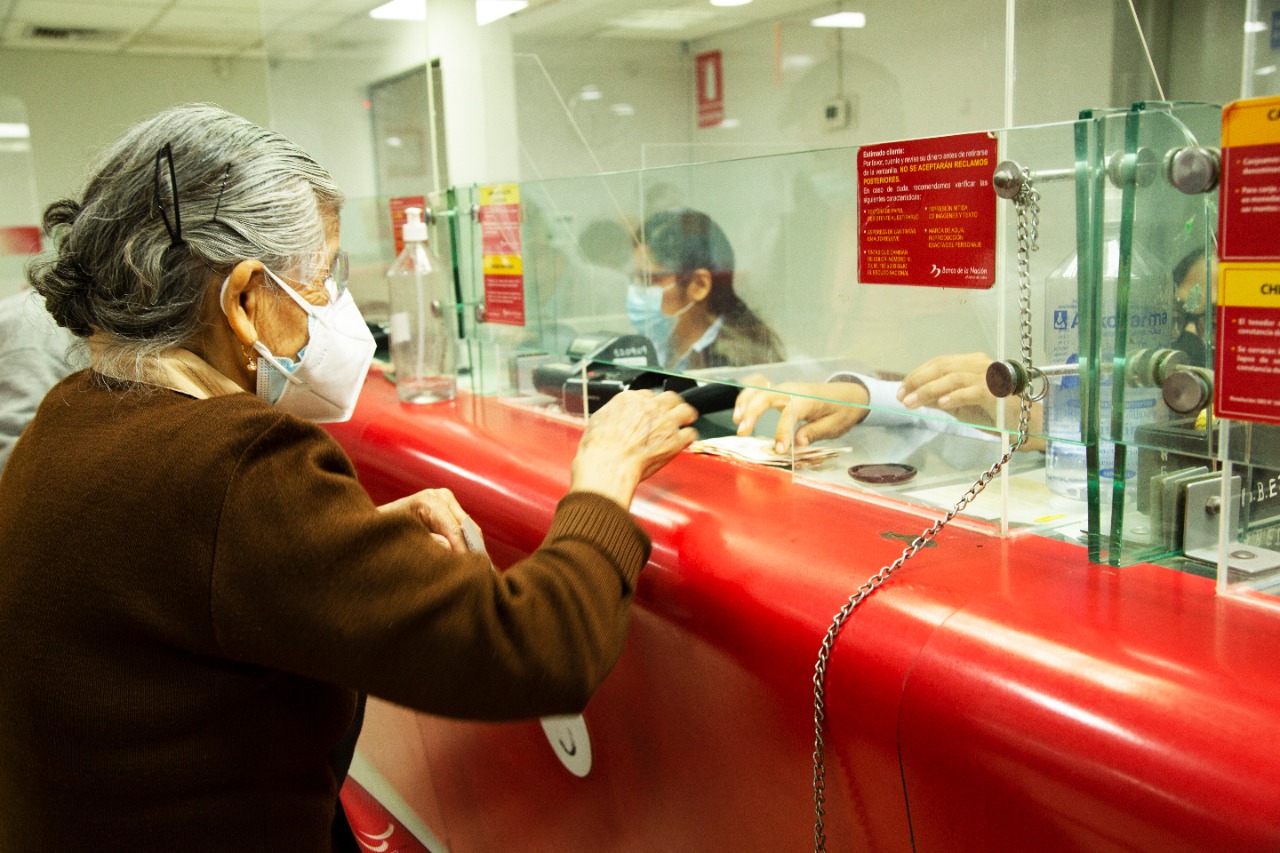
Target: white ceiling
point(238, 28)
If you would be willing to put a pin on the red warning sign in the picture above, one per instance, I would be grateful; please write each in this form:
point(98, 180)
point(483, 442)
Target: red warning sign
point(927, 212)
point(709, 82)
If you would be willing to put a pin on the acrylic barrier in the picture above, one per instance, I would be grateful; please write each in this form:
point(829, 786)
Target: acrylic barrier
point(995, 694)
point(806, 277)
point(1060, 256)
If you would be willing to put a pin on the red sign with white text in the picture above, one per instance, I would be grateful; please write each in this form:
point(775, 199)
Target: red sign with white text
point(709, 81)
point(927, 212)
point(501, 254)
point(1246, 371)
point(1249, 202)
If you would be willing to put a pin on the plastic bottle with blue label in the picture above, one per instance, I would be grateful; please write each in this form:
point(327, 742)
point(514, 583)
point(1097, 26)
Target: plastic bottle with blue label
point(423, 337)
point(1066, 471)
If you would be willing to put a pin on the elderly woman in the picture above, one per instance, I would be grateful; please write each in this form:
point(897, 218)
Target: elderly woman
point(195, 588)
point(683, 298)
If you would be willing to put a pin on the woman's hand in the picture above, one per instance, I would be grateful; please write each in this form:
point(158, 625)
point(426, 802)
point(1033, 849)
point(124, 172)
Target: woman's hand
point(958, 384)
point(821, 410)
point(628, 439)
point(439, 512)
point(954, 383)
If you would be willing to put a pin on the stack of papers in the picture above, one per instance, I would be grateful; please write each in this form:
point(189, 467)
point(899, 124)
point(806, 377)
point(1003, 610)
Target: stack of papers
point(758, 449)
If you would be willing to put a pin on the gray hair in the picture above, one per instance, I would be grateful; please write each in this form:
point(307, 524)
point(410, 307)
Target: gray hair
point(114, 266)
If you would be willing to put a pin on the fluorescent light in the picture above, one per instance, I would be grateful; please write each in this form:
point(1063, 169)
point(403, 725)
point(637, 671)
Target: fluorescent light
point(1255, 27)
point(622, 109)
point(488, 11)
point(729, 2)
point(850, 20)
point(14, 131)
point(401, 10)
point(1265, 71)
point(590, 93)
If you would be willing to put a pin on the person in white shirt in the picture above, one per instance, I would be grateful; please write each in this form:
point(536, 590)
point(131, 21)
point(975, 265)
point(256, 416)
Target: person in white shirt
point(35, 353)
point(955, 384)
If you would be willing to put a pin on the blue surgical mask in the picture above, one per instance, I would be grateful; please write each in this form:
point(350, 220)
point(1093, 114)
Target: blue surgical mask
point(644, 310)
point(271, 383)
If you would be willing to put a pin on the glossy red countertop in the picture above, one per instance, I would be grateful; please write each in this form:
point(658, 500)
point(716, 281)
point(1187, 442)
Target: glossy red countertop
point(994, 695)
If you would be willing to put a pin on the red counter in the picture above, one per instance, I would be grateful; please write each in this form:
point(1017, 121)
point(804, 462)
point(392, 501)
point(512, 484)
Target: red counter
point(995, 695)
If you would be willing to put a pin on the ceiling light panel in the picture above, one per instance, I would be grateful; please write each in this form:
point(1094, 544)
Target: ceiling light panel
point(843, 20)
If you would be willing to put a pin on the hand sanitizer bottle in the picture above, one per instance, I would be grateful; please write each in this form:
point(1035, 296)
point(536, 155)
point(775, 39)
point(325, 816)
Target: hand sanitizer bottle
point(423, 324)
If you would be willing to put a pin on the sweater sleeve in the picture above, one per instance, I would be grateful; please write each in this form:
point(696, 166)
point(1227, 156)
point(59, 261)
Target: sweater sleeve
point(310, 578)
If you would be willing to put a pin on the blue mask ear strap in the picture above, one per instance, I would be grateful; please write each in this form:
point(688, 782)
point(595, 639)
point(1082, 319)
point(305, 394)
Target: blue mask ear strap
point(279, 364)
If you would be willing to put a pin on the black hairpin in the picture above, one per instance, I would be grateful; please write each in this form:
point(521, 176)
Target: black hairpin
point(174, 228)
point(226, 173)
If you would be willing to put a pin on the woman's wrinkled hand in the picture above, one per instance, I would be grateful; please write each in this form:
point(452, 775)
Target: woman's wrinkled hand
point(438, 511)
point(814, 411)
point(628, 439)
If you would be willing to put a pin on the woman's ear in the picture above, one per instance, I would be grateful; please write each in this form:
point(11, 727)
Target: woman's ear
point(243, 300)
point(699, 285)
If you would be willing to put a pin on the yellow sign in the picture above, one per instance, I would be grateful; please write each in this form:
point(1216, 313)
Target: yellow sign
point(1252, 122)
point(503, 265)
point(500, 194)
point(1242, 285)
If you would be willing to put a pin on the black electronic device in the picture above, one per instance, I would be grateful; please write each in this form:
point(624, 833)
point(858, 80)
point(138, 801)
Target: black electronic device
point(711, 397)
point(603, 366)
point(600, 366)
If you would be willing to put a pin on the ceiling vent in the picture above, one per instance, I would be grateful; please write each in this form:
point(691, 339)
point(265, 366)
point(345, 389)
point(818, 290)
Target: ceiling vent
point(71, 35)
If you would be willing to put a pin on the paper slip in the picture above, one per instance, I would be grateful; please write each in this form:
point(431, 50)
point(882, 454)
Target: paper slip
point(758, 449)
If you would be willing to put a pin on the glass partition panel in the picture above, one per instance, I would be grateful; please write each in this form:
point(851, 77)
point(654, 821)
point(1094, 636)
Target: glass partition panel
point(1163, 324)
point(603, 262)
point(1199, 493)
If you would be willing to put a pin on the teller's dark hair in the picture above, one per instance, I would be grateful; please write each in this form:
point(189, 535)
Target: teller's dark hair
point(684, 241)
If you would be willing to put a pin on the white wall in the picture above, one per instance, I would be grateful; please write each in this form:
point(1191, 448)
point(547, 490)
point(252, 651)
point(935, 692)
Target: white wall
point(479, 92)
point(645, 104)
point(79, 103)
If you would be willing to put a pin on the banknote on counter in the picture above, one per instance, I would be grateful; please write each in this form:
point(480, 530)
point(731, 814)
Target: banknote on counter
point(759, 449)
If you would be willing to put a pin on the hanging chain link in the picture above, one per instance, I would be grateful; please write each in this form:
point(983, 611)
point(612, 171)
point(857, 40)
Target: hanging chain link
point(1027, 205)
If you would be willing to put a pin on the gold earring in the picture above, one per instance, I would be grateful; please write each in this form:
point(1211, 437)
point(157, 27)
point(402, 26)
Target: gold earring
point(250, 361)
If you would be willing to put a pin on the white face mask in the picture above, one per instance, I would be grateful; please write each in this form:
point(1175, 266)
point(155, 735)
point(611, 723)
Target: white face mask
point(324, 383)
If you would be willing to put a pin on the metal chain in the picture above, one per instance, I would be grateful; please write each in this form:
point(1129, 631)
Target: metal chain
point(1027, 205)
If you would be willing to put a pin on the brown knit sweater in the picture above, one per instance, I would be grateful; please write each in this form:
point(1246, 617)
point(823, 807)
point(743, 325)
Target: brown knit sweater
point(191, 592)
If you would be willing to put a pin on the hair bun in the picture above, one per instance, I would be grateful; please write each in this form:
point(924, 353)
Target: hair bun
point(67, 287)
